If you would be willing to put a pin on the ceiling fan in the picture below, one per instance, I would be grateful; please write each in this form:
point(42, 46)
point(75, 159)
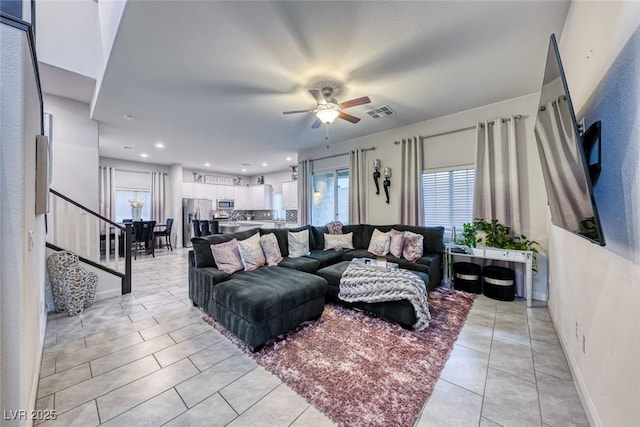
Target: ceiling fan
point(329, 108)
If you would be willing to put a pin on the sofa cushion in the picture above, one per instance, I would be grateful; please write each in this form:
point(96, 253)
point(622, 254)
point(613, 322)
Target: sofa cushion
point(281, 234)
point(312, 240)
point(413, 246)
point(338, 241)
point(298, 243)
point(318, 237)
point(202, 246)
point(379, 243)
point(227, 256)
point(433, 237)
point(251, 252)
point(268, 292)
point(304, 263)
point(271, 249)
point(396, 242)
point(409, 265)
point(326, 257)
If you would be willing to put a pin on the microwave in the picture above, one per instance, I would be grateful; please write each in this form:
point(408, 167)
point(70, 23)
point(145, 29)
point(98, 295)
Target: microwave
point(224, 204)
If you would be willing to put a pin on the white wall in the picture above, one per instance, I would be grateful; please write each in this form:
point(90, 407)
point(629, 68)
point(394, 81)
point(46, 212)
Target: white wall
point(589, 284)
point(75, 150)
point(71, 38)
point(22, 307)
point(274, 179)
point(532, 186)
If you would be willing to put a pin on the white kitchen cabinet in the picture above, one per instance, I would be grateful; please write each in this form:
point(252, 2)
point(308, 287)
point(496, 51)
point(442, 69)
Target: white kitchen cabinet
point(260, 197)
point(290, 195)
point(201, 191)
point(241, 197)
point(188, 190)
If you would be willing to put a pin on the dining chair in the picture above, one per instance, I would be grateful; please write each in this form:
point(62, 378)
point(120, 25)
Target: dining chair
point(204, 228)
point(196, 228)
point(166, 233)
point(142, 239)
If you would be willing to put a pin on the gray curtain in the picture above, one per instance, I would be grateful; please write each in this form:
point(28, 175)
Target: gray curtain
point(497, 184)
point(410, 188)
point(357, 187)
point(304, 191)
point(107, 197)
point(158, 197)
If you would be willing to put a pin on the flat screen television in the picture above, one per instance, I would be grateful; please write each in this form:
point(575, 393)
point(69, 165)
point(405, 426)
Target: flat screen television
point(562, 154)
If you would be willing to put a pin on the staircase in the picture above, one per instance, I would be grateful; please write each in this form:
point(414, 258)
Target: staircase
point(99, 242)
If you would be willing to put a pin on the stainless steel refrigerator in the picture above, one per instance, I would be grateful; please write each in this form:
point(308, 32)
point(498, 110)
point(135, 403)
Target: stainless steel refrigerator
point(194, 209)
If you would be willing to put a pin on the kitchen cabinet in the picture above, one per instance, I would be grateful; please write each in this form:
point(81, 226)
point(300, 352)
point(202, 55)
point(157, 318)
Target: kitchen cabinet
point(241, 197)
point(290, 195)
point(188, 190)
point(260, 197)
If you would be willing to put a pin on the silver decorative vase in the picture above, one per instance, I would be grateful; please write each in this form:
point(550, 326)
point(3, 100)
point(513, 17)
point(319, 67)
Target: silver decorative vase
point(136, 213)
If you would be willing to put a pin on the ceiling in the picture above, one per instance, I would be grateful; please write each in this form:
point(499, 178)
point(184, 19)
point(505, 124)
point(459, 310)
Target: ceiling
point(210, 80)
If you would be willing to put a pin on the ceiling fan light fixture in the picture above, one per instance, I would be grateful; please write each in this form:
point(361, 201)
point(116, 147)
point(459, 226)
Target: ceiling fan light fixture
point(327, 113)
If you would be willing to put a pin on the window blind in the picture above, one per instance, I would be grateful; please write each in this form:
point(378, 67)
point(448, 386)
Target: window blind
point(448, 197)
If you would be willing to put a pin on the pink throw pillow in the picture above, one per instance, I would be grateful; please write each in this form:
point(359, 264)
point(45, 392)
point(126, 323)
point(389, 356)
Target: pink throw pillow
point(412, 249)
point(397, 243)
point(227, 256)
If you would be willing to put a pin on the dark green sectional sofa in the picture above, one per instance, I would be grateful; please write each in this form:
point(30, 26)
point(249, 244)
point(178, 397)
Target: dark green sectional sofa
point(260, 305)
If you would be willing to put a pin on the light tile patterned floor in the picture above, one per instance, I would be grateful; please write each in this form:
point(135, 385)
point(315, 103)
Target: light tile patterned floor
point(148, 359)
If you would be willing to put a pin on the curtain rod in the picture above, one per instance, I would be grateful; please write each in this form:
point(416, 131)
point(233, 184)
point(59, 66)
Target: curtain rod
point(341, 154)
point(517, 117)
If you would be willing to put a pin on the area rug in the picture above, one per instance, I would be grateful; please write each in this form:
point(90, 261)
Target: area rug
point(361, 370)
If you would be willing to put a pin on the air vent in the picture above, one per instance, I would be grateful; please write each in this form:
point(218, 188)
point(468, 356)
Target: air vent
point(127, 148)
point(379, 112)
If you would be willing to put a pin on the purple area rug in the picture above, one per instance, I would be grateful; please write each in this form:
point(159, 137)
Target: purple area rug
point(361, 370)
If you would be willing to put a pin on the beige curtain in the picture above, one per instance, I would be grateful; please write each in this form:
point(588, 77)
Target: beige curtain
point(497, 183)
point(357, 187)
point(410, 188)
point(158, 197)
point(107, 196)
point(304, 191)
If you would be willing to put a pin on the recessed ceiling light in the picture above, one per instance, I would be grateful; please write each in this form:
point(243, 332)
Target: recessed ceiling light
point(288, 159)
point(127, 148)
point(144, 155)
point(128, 117)
point(207, 164)
point(264, 164)
point(244, 169)
point(159, 145)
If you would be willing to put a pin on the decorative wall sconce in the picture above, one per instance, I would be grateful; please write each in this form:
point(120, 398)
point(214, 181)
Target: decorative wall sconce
point(387, 182)
point(376, 174)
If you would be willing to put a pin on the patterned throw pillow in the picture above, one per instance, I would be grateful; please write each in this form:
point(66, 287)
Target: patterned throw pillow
point(227, 256)
point(412, 246)
point(379, 243)
point(334, 227)
point(298, 243)
point(338, 241)
point(396, 243)
point(251, 252)
point(271, 250)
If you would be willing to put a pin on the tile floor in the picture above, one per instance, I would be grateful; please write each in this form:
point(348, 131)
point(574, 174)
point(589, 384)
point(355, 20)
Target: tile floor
point(148, 359)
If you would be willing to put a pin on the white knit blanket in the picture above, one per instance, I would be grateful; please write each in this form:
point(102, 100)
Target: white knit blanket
point(374, 284)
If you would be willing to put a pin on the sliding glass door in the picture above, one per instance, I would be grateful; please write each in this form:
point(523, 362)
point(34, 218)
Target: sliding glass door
point(330, 197)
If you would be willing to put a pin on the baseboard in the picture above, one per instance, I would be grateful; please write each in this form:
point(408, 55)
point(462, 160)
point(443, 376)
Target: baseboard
point(583, 392)
point(108, 294)
point(540, 296)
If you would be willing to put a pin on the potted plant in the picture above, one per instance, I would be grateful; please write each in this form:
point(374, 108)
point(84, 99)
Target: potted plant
point(495, 235)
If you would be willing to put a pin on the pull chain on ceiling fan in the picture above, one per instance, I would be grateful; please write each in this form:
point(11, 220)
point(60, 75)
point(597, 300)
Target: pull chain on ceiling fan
point(329, 109)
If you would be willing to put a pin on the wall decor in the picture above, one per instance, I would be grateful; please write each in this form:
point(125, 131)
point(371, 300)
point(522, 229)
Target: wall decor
point(387, 182)
point(376, 174)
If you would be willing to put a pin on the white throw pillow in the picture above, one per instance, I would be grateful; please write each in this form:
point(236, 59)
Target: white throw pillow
point(338, 241)
point(251, 252)
point(413, 246)
point(396, 243)
point(379, 243)
point(227, 256)
point(271, 250)
point(298, 243)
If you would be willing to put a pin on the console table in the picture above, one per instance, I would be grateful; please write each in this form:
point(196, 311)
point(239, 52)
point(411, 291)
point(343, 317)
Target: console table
point(510, 255)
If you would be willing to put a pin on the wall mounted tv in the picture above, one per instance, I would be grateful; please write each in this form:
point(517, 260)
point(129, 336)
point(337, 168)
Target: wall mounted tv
point(562, 153)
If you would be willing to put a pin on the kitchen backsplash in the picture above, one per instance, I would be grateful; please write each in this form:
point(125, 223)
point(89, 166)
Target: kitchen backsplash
point(262, 215)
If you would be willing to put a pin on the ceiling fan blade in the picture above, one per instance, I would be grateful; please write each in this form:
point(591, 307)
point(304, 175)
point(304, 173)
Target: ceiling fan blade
point(355, 102)
point(348, 117)
point(298, 111)
point(316, 124)
point(317, 94)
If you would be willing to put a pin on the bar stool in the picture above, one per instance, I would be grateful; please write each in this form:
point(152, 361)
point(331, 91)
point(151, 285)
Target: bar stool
point(467, 277)
point(499, 283)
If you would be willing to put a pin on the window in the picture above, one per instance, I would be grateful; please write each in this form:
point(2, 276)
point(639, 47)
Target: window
point(123, 208)
point(448, 197)
point(330, 197)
